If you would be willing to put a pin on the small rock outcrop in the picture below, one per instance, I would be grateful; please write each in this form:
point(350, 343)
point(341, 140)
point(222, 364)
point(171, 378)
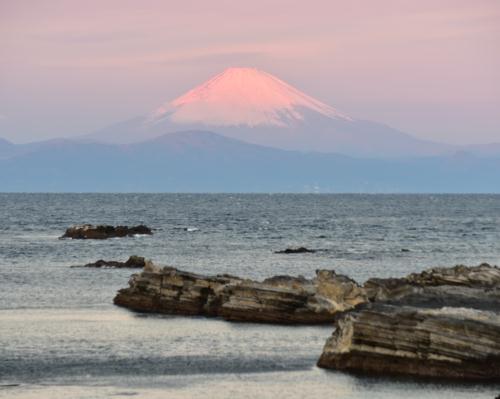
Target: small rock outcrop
point(136, 262)
point(296, 250)
point(443, 322)
point(102, 232)
point(446, 343)
point(280, 299)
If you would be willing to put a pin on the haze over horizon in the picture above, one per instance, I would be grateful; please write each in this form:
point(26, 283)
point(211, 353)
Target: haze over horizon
point(428, 69)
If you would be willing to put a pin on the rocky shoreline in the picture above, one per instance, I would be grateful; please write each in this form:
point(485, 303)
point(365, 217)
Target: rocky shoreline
point(279, 299)
point(443, 322)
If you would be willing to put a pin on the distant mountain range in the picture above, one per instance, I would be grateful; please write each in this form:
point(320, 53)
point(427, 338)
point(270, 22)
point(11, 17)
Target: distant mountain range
point(201, 161)
point(270, 137)
point(256, 107)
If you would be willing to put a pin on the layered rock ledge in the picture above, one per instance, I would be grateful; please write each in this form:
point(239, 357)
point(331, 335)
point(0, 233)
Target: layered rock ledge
point(280, 299)
point(102, 232)
point(386, 339)
point(443, 322)
point(476, 287)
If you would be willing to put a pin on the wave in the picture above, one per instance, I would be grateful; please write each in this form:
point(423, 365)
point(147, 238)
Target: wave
point(26, 369)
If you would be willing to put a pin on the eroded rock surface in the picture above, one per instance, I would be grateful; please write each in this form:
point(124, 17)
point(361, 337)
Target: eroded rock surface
point(102, 232)
point(280, 299)
point(387, 339)
point(475, 287)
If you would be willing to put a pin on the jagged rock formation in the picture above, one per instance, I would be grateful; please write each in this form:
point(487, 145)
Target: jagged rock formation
point(101, 232)
point(133, 261)
point(280, 299)
point(386, 339)
point(443, 322)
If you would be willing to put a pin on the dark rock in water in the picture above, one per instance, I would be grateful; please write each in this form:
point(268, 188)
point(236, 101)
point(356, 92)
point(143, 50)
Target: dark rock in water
point(281, 299)
point(296, 250)
point(405, 250)
point(132, 262)
point(135, 261)
point(101, 232)
point(447, 343)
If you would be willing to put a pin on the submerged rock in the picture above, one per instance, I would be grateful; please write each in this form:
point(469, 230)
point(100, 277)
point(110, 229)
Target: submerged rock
point(280, 299)
point(101, 232)
point(296, 250)
point(132, 262)
point(446, 343)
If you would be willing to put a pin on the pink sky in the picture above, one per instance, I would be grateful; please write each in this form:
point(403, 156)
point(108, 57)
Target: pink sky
point(430, 68)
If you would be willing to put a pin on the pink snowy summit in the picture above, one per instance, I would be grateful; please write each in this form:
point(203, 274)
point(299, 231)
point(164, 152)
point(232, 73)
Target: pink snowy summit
point(243, 97)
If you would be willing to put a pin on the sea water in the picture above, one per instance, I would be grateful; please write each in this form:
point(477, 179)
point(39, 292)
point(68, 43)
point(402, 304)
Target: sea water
point(62, 337)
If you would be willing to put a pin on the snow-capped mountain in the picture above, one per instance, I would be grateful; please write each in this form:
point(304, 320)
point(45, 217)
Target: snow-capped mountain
point(254, 106)
point(243, 97)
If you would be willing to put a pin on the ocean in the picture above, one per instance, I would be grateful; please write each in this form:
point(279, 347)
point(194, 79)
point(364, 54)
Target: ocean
point(62, 337)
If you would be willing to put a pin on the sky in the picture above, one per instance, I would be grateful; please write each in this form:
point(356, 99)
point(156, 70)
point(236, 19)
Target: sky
point(430, 68)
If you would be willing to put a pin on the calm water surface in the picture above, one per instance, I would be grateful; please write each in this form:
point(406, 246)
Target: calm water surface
point(61, 336)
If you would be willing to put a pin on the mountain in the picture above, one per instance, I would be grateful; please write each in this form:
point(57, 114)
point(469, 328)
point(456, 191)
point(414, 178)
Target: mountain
point(486, 150)
point(256, 107)
point(244, 97)
point(9, 150)
point(201, 161)
point(6, 148)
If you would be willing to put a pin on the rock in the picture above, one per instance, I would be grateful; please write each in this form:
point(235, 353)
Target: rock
point(101, 232)
point(291, 300)
point(442, 322)
point(135, 261)
point(460, 286)
point(171, 291)
point(132, 262)
point(482, 276)
point(447, 343)
point(295, 250)
point(280, 299)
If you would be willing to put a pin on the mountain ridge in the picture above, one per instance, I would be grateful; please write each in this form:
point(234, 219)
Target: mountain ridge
point(200, 161)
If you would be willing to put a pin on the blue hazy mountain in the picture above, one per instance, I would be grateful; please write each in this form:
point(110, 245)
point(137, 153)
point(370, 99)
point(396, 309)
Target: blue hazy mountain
point(201, 161)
